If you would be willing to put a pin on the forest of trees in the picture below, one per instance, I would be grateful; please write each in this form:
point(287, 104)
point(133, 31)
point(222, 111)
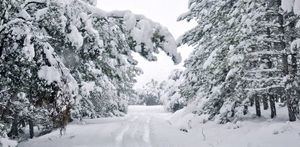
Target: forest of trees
point(66, 59)
point(246, 54)
point(150, 94)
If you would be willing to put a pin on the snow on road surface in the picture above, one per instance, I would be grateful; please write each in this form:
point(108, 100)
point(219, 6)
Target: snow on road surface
point(142, 127)
point(151, 126)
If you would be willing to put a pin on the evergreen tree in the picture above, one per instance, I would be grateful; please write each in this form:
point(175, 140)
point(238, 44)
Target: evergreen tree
point(67, 59)
point(150, 94)
point(171, 96)
point(240, 58)
point(208, 78)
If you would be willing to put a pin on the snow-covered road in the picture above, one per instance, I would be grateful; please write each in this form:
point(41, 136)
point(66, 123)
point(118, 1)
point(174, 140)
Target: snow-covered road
point(152, 127)
point(142, 127)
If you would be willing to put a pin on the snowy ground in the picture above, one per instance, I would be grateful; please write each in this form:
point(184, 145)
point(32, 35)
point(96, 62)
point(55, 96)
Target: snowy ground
point(152, 127)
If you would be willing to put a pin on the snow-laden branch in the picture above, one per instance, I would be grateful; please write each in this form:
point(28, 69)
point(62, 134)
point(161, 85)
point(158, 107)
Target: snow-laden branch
point(148, 36)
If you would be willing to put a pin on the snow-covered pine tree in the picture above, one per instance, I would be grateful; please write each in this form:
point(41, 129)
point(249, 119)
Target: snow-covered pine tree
point(262, 64)
point(103, 49)
point(278, 62)
point(38, 79)
point(210, 68)
point(266, 64)
point(237, 55)
point(288, 16)
point(57, 55)
point(170, 94)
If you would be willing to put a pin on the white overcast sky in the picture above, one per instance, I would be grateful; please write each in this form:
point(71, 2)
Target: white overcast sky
point(164, 12)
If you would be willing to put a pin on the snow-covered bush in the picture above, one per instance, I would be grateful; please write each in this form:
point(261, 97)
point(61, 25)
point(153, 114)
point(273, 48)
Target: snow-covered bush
point(171, 96)
point(150, 93)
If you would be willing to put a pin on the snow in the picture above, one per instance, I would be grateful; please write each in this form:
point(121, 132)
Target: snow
point(75, 37)
point(28, 48)
point(129, 21)
point(142, 127)
point(151, 126)
point(291, 5)
point(207, 27)
point(142, 31)
point(297, 7)
point(140, 28)
point(287, 5)
point(87, 87)
point(24, 14)
point(295, 45)
point(49, 51)
point(92, 2)
point(170, 45)
point(132, 129)
point(236, 59)
point(210, 59)
point(232, 73)
point(252, 132)
point(5, 142)
point(49, 73)
point(40, 13)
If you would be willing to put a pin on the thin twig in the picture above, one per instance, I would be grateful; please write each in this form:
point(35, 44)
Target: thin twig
point(204, 137)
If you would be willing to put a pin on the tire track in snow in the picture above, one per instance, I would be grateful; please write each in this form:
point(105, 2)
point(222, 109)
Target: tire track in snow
point(138, 133)
point(146, 135)
point(120, 136)
point(134, 127)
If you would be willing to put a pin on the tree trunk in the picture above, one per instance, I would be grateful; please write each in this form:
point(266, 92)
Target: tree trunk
point(288, 84)
point(265, 102)
point(14, 128)
point(272, 106)
point(295, 93)
point(252, 101)
point(283, 99)
point(245, 110)
point(292, 115)
point(257, 105)
point(6, 110)
point(31, 129)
